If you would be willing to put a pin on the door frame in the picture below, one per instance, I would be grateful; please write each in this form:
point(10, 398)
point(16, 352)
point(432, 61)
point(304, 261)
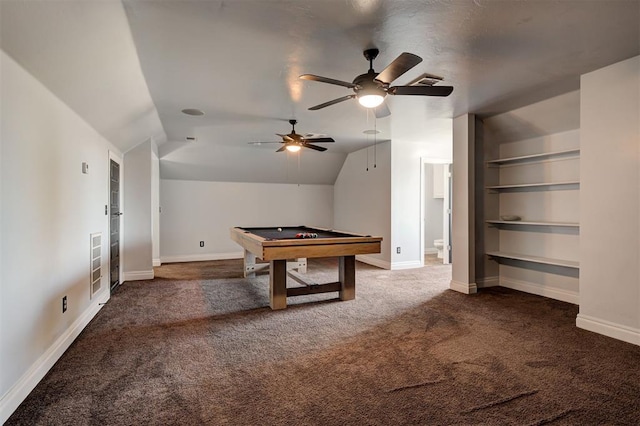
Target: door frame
point(118, 159)
point(446, 231)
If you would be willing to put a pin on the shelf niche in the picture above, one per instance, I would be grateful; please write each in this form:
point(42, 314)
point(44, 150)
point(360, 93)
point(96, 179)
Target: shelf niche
point(536, 177)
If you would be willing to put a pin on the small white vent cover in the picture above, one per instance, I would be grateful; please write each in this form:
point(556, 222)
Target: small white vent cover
point(95, 275)
point(426, 79)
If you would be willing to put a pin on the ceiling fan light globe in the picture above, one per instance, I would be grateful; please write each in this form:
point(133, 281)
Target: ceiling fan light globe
point(370, 101)
point(293, 148)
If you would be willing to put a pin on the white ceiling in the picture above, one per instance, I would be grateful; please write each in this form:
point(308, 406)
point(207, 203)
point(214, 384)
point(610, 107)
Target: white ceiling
point(130, 68)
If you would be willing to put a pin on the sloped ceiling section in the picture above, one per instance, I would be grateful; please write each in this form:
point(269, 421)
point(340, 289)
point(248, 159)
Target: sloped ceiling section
point(83, 52)
point(239, 62)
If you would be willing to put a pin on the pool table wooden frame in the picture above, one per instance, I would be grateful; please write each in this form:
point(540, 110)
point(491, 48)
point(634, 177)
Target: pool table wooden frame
point(276, 252)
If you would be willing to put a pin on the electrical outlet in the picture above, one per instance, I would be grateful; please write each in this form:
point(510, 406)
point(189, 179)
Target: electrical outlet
point(398, 250)
point(64, 304)
point(201, 243)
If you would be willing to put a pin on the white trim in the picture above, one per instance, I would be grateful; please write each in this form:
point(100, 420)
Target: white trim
point(609, 329)
point(410, 264)
point(202, 257)
point(422, 213)
point(466, 288)
point(488, 282)
point(541, 290)
point(374, 261)
point(157, 262)
point(430, 250)
point(21, 389)
point(138, 275)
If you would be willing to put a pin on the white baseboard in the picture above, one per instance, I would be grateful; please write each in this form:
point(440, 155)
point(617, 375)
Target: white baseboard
point(202, 257)
point(609, 329)
point(395, 266)
point(370, 260)
point(430, 250)
point(466, 288)
point(541, 290)
point(487, 282)
point(138, 275)
point(239, 255)
point(157, 262)
point(21, 389)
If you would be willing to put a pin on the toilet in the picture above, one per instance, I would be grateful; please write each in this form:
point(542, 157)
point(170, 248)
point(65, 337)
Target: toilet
point(439, 244)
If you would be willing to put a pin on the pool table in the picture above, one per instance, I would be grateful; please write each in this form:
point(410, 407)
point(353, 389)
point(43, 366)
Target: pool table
point(278, 244)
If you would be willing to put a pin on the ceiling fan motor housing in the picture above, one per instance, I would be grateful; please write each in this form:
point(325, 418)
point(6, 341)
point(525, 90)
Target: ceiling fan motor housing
point(366, 84)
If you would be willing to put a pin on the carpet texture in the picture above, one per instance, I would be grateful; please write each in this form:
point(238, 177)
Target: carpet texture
point(198, 345)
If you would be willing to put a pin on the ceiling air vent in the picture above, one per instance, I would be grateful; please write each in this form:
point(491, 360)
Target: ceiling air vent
point(426, 80)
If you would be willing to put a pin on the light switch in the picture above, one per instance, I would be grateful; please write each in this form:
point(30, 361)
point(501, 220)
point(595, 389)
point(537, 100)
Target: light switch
point(85, 168)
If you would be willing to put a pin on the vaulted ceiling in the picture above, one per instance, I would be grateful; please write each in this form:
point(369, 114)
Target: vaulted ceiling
point(129, 68)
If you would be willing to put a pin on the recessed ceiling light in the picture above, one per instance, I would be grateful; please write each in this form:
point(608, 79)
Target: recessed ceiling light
point(371, 132)
point(193, 111)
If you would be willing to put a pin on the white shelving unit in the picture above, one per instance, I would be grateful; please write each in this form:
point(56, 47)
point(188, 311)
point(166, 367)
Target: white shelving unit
point(534, 259)
point(543, 186)
point(567, 153)
point(533, 223)
point(535, 253)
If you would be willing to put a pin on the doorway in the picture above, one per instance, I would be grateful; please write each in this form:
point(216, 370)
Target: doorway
point(435, 201)
point(115, 216)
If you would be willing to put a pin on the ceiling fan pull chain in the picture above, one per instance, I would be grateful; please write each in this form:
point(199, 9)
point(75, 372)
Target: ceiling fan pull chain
point(375, 141)
point(367, 152)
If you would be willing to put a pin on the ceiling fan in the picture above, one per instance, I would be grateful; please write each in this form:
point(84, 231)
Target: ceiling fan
point(293, 141)
point(372, 87)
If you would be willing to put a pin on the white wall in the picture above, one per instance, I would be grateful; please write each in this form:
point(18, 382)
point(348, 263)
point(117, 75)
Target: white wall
point(155, 206)
point(361, 199)
point(610, 201)
point(138, 221)
point(194, 211)
point(463, 205)
point(405, 207)
point(49, 209)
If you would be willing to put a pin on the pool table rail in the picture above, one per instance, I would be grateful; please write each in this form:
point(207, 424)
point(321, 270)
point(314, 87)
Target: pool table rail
point(269, 249)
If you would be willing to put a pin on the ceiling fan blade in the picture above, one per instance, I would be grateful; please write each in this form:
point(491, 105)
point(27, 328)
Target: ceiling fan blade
point(327, 80)
point(333, 102)
point(285, 137)
point(316, 140)
point(382, 111)
point(399, 66)
point(260, 143)
point(282, 148)
point(421, 90)
point(317, 148)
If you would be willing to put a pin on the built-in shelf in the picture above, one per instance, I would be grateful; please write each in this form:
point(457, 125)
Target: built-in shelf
point(534, 259)
point(537, 186)
point(534, 223)
point(570, 153)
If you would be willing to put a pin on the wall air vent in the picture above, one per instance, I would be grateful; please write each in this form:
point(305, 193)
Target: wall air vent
point(426, 80)
point(95, 271)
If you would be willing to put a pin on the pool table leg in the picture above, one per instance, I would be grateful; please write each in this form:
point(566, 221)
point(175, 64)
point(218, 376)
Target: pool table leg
point(278, 284)
point(347, 277)
point(249, 264)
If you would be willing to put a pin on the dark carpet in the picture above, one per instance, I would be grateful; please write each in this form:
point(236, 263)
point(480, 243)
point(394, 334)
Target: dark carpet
point(199, 346)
